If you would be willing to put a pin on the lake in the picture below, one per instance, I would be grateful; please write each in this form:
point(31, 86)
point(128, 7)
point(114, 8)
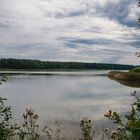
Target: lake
point(66, 95)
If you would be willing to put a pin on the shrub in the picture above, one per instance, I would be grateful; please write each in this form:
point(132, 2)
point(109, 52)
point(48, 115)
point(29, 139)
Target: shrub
point(29, 128)
point(135, 70)
point(6, 130)
point(128, 128)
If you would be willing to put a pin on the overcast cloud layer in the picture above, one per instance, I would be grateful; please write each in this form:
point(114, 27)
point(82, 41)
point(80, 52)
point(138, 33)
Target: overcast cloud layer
point(70, 30)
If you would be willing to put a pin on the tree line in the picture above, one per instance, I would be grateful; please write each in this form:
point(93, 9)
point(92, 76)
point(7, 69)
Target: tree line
point(28, 64)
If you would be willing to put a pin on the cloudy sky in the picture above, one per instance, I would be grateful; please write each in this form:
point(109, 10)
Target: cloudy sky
point(70, 30)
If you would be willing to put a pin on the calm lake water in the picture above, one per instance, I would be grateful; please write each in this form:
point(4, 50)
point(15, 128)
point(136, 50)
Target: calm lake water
point(66, 95)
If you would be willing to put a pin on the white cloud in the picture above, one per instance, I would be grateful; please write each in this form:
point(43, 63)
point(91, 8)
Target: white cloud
point(53, 29)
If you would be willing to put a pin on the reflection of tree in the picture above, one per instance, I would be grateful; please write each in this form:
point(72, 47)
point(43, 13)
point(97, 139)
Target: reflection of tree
point(127, 83)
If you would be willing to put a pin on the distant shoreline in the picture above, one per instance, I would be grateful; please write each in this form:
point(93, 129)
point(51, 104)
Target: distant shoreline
point(37, 65)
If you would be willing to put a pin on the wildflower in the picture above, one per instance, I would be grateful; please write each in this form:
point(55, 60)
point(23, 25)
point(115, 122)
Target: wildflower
point(44, 128)
point(30, 112)
point(24, 125)
point(86, 128)
point(37, 125)
point(106, 130)
point(24, 116)
point(108, 114)
point(114, 134)
point(35, 116)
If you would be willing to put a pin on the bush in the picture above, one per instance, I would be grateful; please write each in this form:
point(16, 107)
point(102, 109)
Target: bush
point(128, 128)
point(135, 70)
point(5, 116)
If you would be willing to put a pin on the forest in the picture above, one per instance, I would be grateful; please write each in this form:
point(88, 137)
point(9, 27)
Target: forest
point(28, 64)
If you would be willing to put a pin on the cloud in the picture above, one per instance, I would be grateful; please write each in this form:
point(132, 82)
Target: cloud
point(76, 30)
point(125, 12)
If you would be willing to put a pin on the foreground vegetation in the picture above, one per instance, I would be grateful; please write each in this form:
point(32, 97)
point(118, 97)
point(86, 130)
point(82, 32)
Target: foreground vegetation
point(26, 64)
point(127, 128)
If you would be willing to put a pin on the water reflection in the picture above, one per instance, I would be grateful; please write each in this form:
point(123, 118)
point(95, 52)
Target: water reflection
point(127, 83)
point(62, 96)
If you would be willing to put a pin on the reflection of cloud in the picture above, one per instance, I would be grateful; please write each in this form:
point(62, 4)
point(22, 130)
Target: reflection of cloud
point(57, 96)
point(64, 30)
